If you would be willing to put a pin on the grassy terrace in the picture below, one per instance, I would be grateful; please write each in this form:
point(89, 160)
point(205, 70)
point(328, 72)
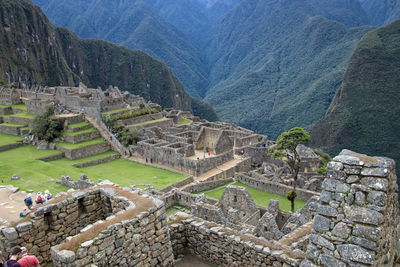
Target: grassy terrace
point(260, 197)
point(114, 111)
point(7, 139)
point(184, 121)
point(79, 124)
point(149, 122)
point(90, 130)
point(12, 125)
point(82, 144)
point(35, 174)
point(18, 106)
point(24, 115)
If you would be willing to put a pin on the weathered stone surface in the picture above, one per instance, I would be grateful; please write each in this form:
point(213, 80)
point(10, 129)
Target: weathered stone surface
point(376, 183)
point(327, 211)
point(352, 179)
point(362, 242)
point(307, 263)
point(335, 186)
point(325, 196)
point(326, 260)
point(360, 198)
point(321, 224)
point(381, 172)
point(355, 253)
point(320, 241)
point(66, 256)
point(377, 198)
point(363, 215)
point(346, 159)
point(10, 233)
point(24, 226)
point(336, 166)
point(341, 230)
point(372, 233)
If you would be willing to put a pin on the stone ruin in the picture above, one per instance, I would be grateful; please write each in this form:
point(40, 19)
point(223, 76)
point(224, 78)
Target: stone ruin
point(82, 183)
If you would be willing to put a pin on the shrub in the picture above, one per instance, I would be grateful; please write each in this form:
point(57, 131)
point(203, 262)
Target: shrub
point(324, 158)
point(45, 127)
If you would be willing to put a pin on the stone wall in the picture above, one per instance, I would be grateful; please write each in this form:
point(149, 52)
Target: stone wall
point(74, 139)
point(10, 146)
point(20, 120)
point(140, 241)
point(143, 118)
point(273, 187)
point(227, 247)
point(13, 130)
point(258, 154)
point(85, 151)
point(97, 161)
point(6, 111)
point(178, 184)
point(203, 186)
point(358, 213)
point(51, 158)
point(51, 224)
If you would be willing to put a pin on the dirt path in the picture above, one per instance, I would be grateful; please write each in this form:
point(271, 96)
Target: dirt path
point(11, 204)
point(190, 261)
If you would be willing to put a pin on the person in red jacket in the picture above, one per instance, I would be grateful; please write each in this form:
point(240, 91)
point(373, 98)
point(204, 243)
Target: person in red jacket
point(26, 260)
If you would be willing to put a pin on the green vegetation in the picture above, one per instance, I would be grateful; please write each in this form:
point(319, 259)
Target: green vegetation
point(324, 158)
point(46, 126)
point(6, 139)
point(129, 115)
point(114, 111)
point(35, 174)
point(363, 114)
point(260, 197)
point(24, 115)
point(286, 144)
point(82, 144)
point(184, 121)
point(125, 135)
point(79, 124)
point(149, 122)
point(19, 106)
point(90, 130)
point(12, 125)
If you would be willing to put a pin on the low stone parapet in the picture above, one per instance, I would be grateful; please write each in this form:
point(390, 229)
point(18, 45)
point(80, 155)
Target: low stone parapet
point(11, 129)
point(228, 247)
point(85, 151)
point(74, 139)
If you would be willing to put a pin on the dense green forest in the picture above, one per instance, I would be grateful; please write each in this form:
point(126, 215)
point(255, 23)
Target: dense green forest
point(364, 113)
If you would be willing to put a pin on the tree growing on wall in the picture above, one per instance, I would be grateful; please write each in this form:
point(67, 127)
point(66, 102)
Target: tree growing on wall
point(286, 144)
point(46, 127)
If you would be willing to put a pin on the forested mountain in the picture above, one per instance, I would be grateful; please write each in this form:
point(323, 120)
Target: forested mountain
point(364, 113)
point(381, 12)
point(267, 65)
point(33, 51)
point(277, 64)
point(136, 25)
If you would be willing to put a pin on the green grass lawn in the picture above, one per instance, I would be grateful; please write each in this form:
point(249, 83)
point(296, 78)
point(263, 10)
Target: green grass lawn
point(260, 197)
point(19, 106)
point(184, 121)
point(82, 144)
point(12, 125)
point(24, 115)
point(35, 174)
point(90, 130)
point(6, 139)
point(79, 124)
point(149, 122)
point(115, 111)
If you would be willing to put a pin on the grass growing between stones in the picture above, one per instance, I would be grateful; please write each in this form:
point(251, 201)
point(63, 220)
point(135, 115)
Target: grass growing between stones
point(90, 130)
point(79, 124)
point(24, 115)
point(184, 121)
point(149, 122)
point(35, 174)
point(19, 106)
point(7, 139)
point(260, 197)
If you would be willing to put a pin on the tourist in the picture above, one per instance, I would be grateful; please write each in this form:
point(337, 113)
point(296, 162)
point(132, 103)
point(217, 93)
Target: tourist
point(147, 160)
point(39, 198)
point(28, 201)
point(47, 195)
point(23, 213)
point(12, 262)
point(151, 160)
point(26, 260)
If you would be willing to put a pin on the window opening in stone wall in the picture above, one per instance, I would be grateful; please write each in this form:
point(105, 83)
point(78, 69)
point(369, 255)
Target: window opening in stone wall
point(47, 220)
point(81, 207)
point(234, 198)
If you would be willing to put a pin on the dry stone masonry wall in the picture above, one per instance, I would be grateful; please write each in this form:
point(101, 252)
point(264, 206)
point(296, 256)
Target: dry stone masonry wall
point(357, 212)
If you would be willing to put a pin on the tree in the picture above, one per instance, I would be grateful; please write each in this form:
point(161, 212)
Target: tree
point(46, 127)
point(287, 142)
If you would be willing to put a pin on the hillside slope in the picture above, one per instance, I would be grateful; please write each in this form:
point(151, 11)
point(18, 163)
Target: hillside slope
point(364, 113)
point(381, 12)
point(277, 64)
point(136, 25)
point(33, 51)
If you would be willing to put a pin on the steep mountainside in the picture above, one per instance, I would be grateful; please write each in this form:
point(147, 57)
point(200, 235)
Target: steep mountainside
point(136, 25)
point(381, 12)
point(277, 64)
point(33, 51)
point(364, 113)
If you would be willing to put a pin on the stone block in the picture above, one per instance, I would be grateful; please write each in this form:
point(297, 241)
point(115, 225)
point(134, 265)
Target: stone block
point(356, 254)
point(333, 185)
point(321, 223)
point(363, 215)
point(10, 233)
point(322, 242)
point(326, 260)
point(376, 183)
point(24, 226)
point(65, 256)
point(362, 242)
point(371, 233)
point(377, 198)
